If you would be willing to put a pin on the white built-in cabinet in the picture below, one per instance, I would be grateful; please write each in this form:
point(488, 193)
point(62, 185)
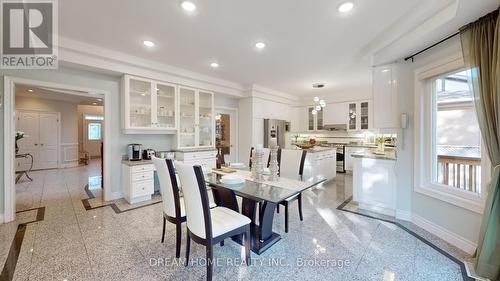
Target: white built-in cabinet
point(359, 116)
point(385, 99)
point(148, 106)
point(314, 121)
point(155, 107)
point(196, 122)
point(335, 113)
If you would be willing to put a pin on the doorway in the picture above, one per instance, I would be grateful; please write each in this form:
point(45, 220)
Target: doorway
point(226, 134)
point(42, 143)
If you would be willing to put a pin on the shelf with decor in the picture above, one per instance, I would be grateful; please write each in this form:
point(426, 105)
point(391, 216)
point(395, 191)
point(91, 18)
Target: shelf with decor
point(148, 106)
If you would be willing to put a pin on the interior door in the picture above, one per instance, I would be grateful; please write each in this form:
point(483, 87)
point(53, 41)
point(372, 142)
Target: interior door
point(48, 147)
point(28, 122)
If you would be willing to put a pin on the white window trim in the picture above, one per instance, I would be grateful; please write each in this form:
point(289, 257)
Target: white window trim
point(423, 120)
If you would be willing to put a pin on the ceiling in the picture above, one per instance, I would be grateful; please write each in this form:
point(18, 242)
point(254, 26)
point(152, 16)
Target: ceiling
point(307, 41)
point(59, 95)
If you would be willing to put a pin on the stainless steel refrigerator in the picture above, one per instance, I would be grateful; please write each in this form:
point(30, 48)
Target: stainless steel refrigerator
point(275, 129)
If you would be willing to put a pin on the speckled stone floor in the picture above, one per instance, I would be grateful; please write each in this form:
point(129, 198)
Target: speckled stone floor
point(73, 243)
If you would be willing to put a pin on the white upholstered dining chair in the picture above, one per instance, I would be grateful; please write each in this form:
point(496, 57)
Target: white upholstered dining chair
point(208, 226)
point(266, 159)
point(291, 167)
point(172, 202)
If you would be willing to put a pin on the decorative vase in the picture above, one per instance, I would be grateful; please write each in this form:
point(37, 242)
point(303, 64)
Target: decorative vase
point(17, 148)
point(273, 165)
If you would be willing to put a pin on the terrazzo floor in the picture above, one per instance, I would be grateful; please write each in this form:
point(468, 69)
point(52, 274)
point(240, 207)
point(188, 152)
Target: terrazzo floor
point(72, 243)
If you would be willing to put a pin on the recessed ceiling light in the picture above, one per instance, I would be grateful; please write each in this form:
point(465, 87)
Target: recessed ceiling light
point(94, 103)
point(214, 65)
point(148, 43)
point(30, 90)
point(260, 45)
point(188, 6)
point(318, 85)
point(345, 7)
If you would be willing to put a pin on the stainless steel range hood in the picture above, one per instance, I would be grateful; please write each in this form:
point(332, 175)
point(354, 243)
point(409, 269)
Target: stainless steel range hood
point(335, 127)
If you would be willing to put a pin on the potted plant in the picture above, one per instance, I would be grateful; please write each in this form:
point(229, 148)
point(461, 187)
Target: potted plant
point(380, 141)
point(19, 135)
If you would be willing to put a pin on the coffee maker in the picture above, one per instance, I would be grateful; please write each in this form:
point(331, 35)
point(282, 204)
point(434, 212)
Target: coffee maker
point(134, 152)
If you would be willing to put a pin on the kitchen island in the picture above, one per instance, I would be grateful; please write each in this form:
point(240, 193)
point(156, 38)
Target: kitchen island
point(320, 164)
point(374, 181)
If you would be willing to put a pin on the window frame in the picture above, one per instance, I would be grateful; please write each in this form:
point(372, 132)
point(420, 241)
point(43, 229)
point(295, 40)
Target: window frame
point(88, 131)
point(425, 155)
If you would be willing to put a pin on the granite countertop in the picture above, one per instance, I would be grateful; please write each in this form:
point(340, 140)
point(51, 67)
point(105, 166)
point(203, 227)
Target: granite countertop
point(317, 149)
point(389, 155)
point(136, 163)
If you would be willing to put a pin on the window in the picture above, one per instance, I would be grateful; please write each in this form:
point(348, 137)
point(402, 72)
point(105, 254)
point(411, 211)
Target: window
point(449, 162)
point(94, 131)
point(456, 137)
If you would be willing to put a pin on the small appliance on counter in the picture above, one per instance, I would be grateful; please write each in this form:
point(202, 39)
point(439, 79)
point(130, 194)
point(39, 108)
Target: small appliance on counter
point(166, 154)
point(147, 153)
point(134, 152)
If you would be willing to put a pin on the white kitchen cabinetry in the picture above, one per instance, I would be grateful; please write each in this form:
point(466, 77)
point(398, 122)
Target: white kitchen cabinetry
point(148, 106)
point(335, 113)
point(196, 118)
point(374, 185)
point(348, 159)
point(206, 158)
point(359, 116)
point(385, 99)
point(320, 165)
point(138, 181)
point(314, 121)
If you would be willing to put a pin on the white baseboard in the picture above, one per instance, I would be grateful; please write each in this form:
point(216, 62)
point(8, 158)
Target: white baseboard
point(403, 215)
point(443, 233)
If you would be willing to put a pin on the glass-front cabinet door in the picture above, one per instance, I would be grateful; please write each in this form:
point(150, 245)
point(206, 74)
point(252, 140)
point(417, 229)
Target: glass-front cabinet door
point(205, 119)
point(187, 117)
point(353, 116)
point(140, 103)
point(165, 105)
point(364, 125)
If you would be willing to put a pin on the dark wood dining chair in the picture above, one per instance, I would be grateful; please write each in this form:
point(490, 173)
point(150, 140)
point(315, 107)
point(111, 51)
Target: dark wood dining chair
point(207, 226)
point(292, 167)
point(172, 202)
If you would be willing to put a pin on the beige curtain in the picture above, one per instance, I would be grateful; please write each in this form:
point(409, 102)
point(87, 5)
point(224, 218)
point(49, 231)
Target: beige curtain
point(481, 48)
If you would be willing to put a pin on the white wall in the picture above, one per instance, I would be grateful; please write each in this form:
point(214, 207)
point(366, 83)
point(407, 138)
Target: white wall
point(69, 117)
point(457, 220)
point(83, 78)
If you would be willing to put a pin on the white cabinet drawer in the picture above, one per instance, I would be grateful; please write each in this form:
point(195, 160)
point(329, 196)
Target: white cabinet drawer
point(141, 176)
point(189, 156)
point(142, 168)
point(142, 188)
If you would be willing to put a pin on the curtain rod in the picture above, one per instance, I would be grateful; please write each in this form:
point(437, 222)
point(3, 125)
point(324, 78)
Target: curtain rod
point(431, 46)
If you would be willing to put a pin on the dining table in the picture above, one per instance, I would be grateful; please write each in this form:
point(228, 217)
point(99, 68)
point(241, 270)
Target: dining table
point(268, 193)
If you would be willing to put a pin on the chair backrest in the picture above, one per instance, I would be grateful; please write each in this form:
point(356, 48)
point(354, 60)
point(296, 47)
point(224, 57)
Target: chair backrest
point(169, 187)
point(292, 163)
point(198, 217)
point(267, 152)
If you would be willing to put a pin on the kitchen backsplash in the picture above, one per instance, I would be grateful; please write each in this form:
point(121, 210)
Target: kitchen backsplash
point(340, 137)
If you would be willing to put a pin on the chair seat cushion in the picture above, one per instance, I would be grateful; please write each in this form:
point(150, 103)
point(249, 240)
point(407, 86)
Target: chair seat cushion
point(225, 220)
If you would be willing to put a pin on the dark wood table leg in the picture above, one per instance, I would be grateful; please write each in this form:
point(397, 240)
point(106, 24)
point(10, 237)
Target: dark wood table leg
point(225, 198)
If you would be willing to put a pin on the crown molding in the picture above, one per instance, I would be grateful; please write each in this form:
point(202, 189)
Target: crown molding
point(83, 54)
